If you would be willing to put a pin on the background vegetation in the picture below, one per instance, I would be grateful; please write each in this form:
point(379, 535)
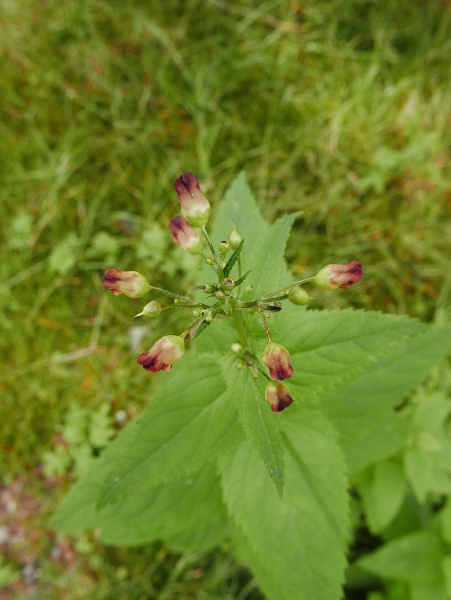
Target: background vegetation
point(340, 108)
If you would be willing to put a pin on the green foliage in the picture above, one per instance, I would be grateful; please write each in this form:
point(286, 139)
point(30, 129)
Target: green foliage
point(210, 422)
point(338, 108)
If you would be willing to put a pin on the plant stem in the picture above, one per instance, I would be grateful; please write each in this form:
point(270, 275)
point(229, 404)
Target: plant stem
point(265, 324)
point(167, 293)
point(212, 250)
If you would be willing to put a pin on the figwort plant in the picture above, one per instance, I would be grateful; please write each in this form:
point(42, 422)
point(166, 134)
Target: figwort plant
point(209, 460)
point(225, 294)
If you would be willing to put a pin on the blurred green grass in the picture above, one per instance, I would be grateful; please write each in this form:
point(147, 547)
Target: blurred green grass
point(339, 108)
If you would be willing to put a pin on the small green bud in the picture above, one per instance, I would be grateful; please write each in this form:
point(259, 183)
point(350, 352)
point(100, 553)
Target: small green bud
point(255, 374)
point(219, 295)
point(234, 239)
point(224, 247)
point(209, 288)
point(248, 289)
point(196, 313)
point(176, 301)
point(153, 309)
point(208, 261)
point(297, 295)
point(239, 366)
point(228, 284)
point(208, 319)
point(237, 348)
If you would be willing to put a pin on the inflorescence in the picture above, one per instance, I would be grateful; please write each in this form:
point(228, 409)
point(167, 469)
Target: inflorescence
point(226, 295)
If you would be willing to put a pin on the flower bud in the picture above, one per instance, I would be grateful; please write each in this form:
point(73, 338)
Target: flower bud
point(237, 348)
point(195, 207)
point(228, 284)
point(277, 359)
point(209, 288)
point(166, 351)
point(335, 276)
point(224, 247)
point(185, 235)
point(297, 295)
point(208, 319)
point(130, 283)
point(234, 239)
point(278, 395)
point(153, 309)
point(196, 313)
point(208, 261)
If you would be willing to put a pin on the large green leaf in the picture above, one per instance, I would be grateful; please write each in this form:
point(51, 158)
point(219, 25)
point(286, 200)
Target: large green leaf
point(328, 348)
point(296, 545)
point(259, 422)
point(267, 261)
point(188, 514)
point(238, 208)
point(192, 419)
point(414, 558)
point(362, 410)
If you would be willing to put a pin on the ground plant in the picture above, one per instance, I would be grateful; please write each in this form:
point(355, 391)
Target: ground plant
point(339, 113)
point(227, 450)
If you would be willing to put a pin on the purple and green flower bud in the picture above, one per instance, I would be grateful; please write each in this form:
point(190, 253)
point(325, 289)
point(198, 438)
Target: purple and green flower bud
point(339, 276)
point(130, 283)
point(224, 247)
point(153, 309)
point(167, 351)
point(228, 284)
point(185, 235)
point(297, 295)
point(209, 288)
point(277, 359)
point(195, 207)
point(278, 395)
point(234, 239)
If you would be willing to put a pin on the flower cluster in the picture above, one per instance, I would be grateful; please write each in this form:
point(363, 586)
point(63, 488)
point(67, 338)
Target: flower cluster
point(226, 296)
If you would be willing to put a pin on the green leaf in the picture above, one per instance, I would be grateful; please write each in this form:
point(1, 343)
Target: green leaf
point(238, 208)
point(328, 348)
point(191, 420)
point(259, 422)
point(383, 491)
point(296, 545)
point(243, 278)
point(269, 269)
point(188, 514)
point(413, 559)
point(428, 471)
point(362, 410)
point(232, 260)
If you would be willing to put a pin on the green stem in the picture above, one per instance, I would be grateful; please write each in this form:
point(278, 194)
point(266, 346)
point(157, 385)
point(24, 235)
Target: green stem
point(265, 324)
point(167, 293)
point(212, 250)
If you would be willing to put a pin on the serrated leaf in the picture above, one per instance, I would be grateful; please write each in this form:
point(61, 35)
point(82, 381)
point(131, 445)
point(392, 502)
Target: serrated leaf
point(362, 410)
point(383, 491)
point(259, 423)
point(414, 559)
point(191, 420)
point(238, 208)
point(328, 348)
point(296, 545)
point(232, 260)
point(243, 278)
point(269, 269)
point(189, 514)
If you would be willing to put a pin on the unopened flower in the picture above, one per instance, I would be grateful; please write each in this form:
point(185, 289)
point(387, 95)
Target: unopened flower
point(335, 276)
point(297, 295)
point(277, 359)
point(185, 235)
point(153, 309)
point(195, 207)
point(166, 351)
point(278, 395)
point(130, 283)
point(234, 239)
